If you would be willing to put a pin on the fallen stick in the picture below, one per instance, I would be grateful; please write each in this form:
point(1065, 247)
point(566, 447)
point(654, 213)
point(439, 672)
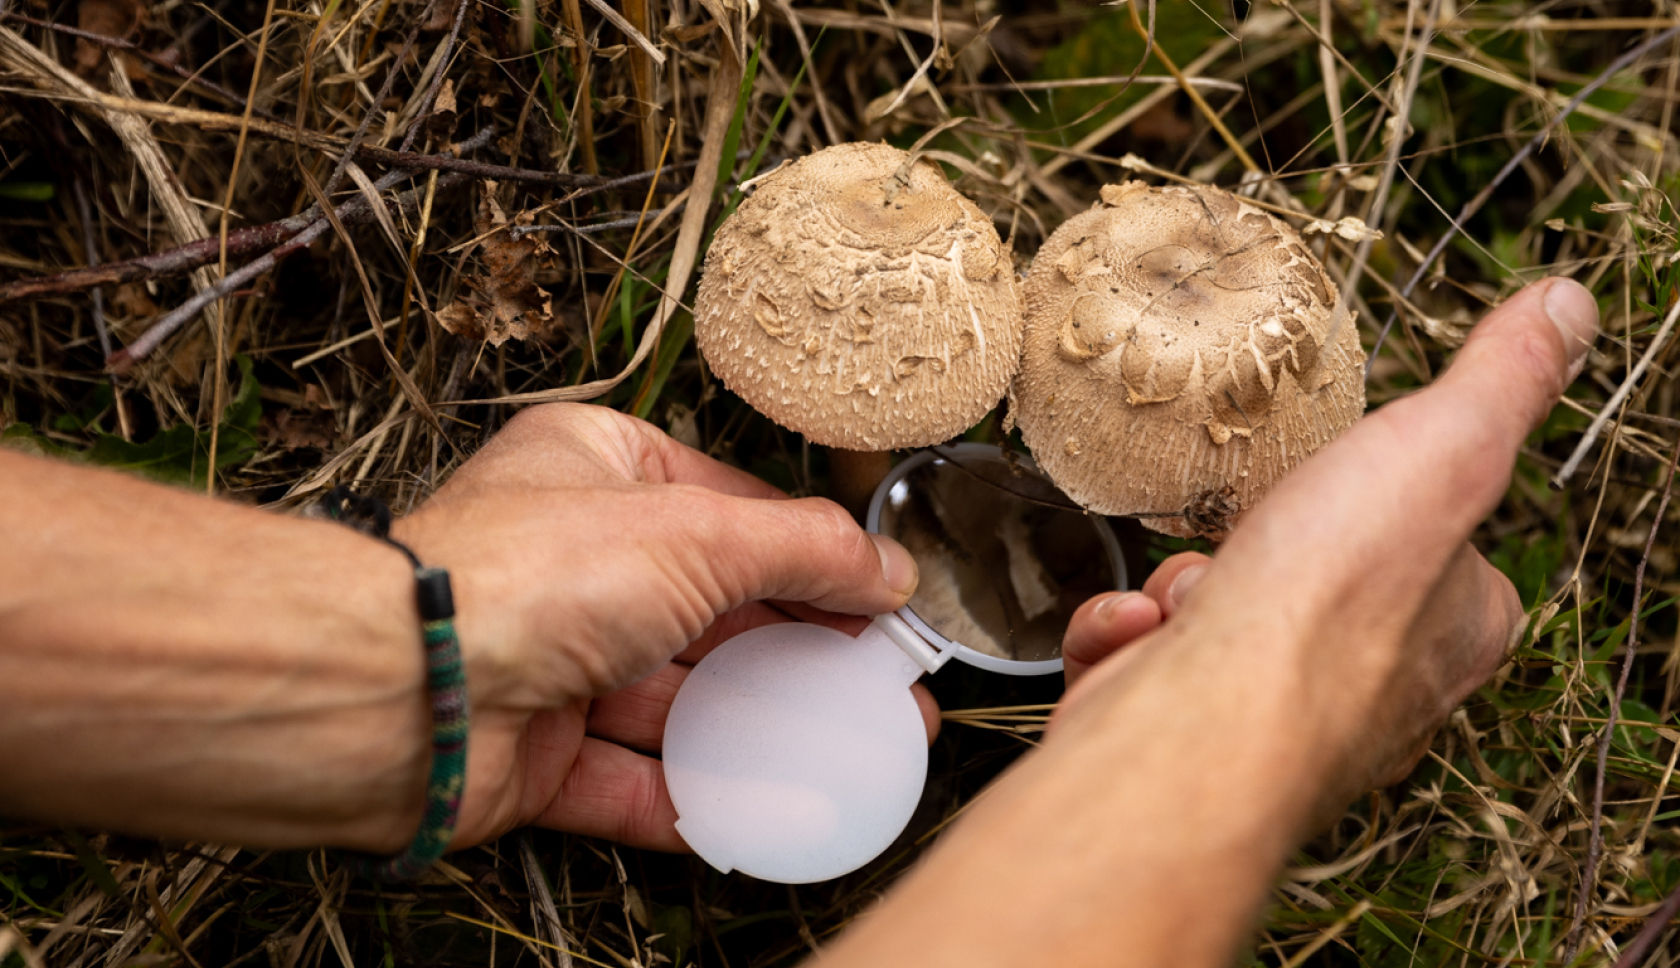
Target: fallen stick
point(173, 320)
point(260, 238)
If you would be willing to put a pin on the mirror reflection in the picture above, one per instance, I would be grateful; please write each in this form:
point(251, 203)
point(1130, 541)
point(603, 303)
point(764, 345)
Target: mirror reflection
point(1002, 570)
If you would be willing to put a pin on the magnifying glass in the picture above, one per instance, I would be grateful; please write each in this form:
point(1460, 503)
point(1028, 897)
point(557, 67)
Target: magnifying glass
point(796, 753)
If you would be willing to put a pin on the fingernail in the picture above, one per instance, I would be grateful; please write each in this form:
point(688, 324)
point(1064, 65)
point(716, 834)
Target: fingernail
point(1109, 606)
point(1575, 313)
point(897, 567)
point(1185, 581)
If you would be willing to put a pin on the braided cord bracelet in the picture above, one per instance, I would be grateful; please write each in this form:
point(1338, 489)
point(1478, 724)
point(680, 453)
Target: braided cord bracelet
point(446, 681)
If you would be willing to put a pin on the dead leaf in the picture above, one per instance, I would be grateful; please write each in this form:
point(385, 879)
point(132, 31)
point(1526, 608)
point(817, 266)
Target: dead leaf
point(1350, 228)
point(502, 302)
point(109, 18)
point(443, 15)
point(131, 300)
point(440, 124)
point(293, 428)
point(679, 35)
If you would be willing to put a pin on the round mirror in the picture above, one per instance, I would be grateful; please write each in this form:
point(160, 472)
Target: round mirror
point(1005, 558)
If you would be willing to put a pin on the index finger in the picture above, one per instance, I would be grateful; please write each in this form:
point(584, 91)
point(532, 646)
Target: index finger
point(1398, 494)
point(1437, 462)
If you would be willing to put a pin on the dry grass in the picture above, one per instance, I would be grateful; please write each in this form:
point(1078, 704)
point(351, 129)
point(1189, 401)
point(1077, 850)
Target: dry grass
point(113, 150)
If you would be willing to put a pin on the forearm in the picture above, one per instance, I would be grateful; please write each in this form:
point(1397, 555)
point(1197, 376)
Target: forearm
point(1146, 831)
point(175, 666)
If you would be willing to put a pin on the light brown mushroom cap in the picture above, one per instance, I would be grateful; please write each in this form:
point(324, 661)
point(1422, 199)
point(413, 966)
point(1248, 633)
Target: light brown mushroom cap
point(861, 310)
point(1176, 363)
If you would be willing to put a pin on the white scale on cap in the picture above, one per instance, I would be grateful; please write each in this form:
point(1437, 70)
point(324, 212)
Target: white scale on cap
point(796, 753)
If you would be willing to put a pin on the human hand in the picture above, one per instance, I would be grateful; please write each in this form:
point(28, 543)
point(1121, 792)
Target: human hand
point(594, 561)
point(1361, 554)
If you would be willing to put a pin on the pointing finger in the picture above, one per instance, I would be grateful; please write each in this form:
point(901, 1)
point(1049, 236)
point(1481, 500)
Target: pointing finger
point(1434, 464)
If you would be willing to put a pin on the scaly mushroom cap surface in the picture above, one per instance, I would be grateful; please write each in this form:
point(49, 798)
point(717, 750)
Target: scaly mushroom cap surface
point(861, 302)
point(1176, 362)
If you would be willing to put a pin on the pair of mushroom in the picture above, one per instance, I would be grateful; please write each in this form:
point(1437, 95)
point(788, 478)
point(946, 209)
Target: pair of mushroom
point(1177, 356)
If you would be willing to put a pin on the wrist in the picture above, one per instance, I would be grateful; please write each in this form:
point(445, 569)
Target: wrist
point(389, 749)
point(491, 628)
point(171, 666)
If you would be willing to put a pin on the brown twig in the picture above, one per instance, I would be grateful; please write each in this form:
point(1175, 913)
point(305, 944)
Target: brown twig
point(1648, 935)
point(1475, 204)
point(437, 79)
point(356, 147)
point(156, 265)
point(90, 246)
point(259, 238)
point(117, 43)
point(520, 231)
point(1595, 841)
point(173, 320)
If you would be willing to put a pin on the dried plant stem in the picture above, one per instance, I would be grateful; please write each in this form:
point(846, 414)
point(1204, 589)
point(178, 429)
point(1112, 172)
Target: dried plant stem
point(1208, 113)
point(219, 379)
point(259, 238)
point(437, 79)
point(1595, 842)
point(720, 108)
point(48, 75)
point(1654, 926)
point(176, 318)
point(629, 30)
point(117, 43)
point(583, 116)
point(355, 147)
point(1614, 404)
point(90, 246)
point(1379, 199)
point(1475, 204)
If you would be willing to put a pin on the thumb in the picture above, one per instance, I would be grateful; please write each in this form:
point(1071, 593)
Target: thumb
point(806, 550)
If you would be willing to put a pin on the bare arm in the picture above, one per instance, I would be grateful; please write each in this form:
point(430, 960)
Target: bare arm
point(175, 666)
point(192, 668)
point(1345, 618)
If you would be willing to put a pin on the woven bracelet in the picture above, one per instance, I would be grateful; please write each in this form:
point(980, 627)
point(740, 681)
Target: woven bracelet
point(446, 680)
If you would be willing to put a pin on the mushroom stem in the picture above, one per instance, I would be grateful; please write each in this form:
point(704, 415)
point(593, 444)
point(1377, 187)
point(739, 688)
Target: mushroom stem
point(853, 476)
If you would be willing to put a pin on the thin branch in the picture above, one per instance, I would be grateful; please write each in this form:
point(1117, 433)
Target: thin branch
point(520, 231)
point(1610, 407)
point(90, 252)
point(260, 238)
point(1475, 204)
point(1648, 935)
point(1595, 841)
point(176, 318)
point(425, 111)
point(117, 43)
point(356, 146)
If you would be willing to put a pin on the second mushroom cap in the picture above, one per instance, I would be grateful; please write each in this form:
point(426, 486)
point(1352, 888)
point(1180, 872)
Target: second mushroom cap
point(1181, 356)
